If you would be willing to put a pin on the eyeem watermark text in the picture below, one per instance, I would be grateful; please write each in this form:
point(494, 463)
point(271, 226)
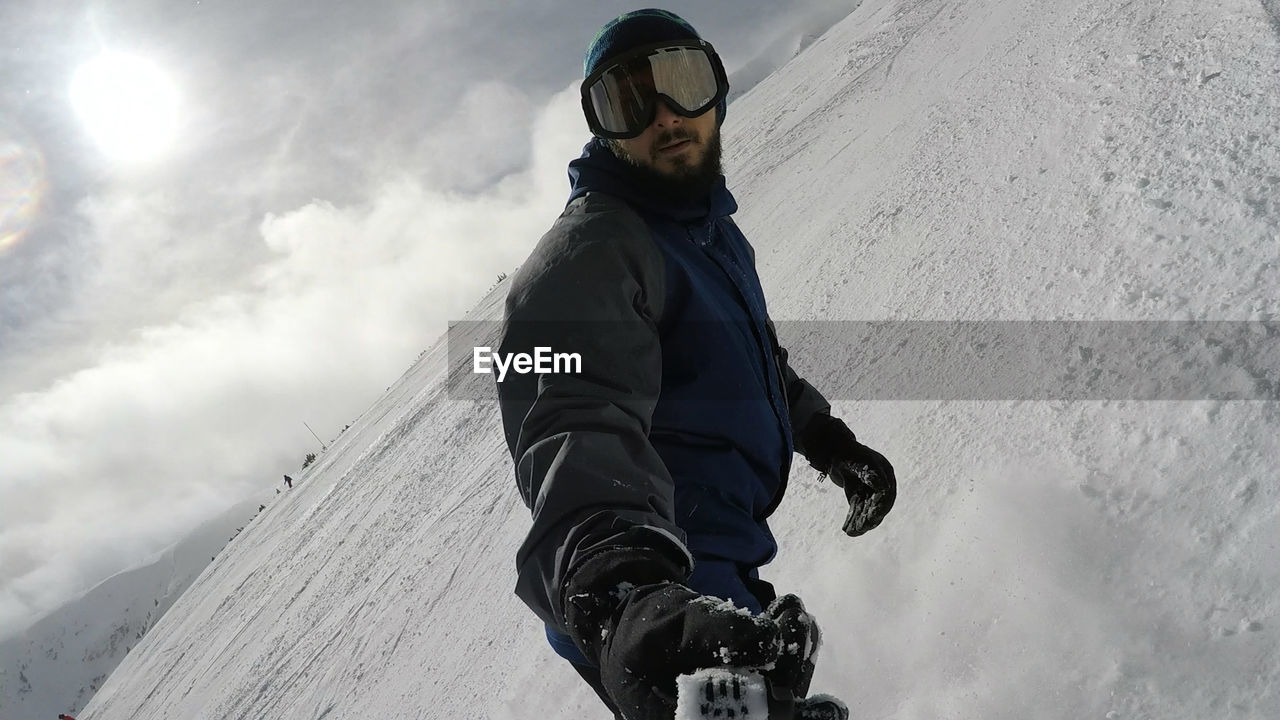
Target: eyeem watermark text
point(542, 362)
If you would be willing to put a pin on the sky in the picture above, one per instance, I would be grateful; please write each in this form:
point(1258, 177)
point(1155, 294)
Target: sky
point(1102, 556)
point(222, 219)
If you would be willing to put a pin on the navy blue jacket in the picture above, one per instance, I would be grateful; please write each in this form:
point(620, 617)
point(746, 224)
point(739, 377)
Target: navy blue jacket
point(678, 433)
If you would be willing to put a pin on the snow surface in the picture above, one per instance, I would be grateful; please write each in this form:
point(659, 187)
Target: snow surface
point(1054, 560)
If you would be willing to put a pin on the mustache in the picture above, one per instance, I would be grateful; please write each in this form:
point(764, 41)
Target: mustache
point(670, 136)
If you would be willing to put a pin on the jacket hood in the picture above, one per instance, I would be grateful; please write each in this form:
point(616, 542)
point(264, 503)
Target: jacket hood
point(599, 170)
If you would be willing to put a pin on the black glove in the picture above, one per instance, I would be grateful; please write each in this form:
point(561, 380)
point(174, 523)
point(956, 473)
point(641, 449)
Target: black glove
point(627, 614)
point(800, 640)
point(866, 476)
point(789, 679)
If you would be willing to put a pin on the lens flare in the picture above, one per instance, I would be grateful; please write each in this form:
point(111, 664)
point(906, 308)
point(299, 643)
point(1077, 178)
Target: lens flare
point(22, 189)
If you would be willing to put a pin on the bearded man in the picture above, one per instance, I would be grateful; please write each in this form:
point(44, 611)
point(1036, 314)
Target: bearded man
point(652, 472)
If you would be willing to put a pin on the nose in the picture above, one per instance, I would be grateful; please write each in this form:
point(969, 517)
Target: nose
point(665, 116)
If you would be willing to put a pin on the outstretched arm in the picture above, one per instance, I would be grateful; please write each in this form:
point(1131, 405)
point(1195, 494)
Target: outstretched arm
point(584, 463)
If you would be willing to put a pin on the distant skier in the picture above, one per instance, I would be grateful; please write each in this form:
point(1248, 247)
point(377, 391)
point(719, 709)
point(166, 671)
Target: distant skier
point(651, 473)
point(65, 717)
point(288, 481)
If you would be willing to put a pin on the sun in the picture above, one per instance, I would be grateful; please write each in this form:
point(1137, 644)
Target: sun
point(127, 104)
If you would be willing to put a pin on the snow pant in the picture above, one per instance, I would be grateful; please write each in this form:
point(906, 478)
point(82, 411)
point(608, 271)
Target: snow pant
point(762, 590)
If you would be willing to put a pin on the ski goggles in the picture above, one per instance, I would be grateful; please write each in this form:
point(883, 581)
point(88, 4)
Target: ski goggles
point(620, 99)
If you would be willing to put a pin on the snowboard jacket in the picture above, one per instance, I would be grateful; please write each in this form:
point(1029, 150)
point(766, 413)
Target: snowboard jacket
point(679, 430)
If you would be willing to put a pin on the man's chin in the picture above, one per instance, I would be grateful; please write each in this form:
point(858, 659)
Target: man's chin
point(678, 168)
point(681, 175)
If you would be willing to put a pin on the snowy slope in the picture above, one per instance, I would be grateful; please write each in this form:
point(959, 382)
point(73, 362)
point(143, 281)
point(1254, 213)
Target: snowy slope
point(921, 160)
point(788, 41)
point(58, 663)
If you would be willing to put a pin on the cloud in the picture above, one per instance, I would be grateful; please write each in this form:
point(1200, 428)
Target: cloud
point(183, 418)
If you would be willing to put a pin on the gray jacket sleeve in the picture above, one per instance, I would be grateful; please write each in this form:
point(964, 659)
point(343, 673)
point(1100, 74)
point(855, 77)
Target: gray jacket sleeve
point(803, 400)
point(584, 464)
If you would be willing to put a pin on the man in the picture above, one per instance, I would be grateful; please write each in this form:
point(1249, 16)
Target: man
point(651, 472)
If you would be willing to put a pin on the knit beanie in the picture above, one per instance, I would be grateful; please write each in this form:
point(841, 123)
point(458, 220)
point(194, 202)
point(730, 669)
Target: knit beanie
point(636, 28)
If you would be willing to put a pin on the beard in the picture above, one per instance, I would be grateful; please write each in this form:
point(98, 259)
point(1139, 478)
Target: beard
point(688, 180)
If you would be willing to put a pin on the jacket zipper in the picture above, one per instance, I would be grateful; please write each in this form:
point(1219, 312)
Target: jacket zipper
point(781, 415)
